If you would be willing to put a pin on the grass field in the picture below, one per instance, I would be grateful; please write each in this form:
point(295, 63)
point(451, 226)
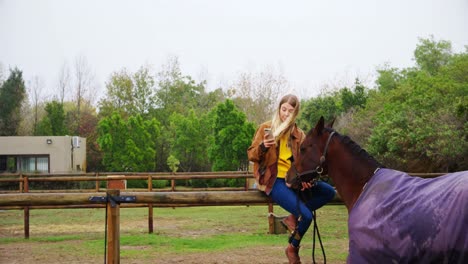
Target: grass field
point(224, 234)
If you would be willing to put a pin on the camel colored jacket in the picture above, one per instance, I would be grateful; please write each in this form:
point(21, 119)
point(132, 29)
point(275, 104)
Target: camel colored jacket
point(265, 161)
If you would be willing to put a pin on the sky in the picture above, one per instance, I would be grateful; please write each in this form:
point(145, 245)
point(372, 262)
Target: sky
point(313, 43)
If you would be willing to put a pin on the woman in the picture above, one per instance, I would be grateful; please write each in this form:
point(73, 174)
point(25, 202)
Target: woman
point(275, 144)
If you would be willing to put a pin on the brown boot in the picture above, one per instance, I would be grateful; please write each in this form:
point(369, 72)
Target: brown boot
point(290, 222)
point(292, 253)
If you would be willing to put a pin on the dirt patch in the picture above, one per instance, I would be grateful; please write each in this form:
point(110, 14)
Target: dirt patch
point(20, 253)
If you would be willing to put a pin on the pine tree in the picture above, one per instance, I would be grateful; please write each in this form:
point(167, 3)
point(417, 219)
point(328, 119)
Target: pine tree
point(12, 94)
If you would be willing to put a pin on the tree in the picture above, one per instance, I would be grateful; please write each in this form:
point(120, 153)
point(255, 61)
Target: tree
point(430, 54)
point(173, 163)
point(128, 145)
point(256, 94)
point(388, 78)
point(189, 143)
point(84, 89)
point(53, 124)
point(12, 94)
point(63, 82)
point(232, 135)
point(177, 94)
point(143, 91)
point(129, 94)
point(119, 96)
point(420, 125)
point(35, 92)
point(353, 99)
point(326, 105)
point(88, 129)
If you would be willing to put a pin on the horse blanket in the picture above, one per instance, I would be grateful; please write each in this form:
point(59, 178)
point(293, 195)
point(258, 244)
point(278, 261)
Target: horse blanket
point(403, 219)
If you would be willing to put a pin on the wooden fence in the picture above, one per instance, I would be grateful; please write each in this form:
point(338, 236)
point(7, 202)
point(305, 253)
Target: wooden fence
point(174, 196)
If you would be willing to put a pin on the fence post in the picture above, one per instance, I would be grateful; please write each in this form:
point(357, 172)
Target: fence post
point(97, 182)
point(21, 185)
point(150, 206)
point(271, 219)
point(113, 229)
point(26, 209)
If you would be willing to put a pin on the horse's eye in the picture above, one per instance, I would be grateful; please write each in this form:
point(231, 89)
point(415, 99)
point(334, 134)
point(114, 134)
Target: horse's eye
point(302, 149)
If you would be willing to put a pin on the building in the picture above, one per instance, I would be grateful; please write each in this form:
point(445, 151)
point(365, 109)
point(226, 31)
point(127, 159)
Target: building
point(43, 154)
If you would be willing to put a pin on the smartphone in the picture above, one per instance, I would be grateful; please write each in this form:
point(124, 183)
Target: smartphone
point(268, 132)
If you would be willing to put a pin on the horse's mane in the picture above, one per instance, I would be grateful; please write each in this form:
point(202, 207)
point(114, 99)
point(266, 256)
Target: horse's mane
point(356, 149)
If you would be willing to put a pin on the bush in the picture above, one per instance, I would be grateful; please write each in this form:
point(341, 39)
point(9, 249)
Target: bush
point(159, 184)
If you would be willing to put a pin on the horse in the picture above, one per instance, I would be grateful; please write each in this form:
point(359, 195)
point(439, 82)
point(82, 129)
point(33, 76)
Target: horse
point(392, 217)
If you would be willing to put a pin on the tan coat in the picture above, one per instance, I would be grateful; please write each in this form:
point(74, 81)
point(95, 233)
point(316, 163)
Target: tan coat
point(266, 160)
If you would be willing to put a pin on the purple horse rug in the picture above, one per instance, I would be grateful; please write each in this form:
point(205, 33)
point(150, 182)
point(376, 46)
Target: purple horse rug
point(403, 219)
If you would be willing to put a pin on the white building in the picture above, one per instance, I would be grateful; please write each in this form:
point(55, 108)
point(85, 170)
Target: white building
point(46, 154)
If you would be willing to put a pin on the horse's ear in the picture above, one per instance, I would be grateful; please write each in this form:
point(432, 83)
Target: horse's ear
point(330, 124)
point(319, 126)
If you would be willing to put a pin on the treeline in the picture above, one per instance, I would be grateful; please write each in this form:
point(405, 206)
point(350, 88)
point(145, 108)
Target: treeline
point(414, 119)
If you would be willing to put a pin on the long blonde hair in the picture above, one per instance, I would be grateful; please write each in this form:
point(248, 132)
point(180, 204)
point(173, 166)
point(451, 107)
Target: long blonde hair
point(280, 128)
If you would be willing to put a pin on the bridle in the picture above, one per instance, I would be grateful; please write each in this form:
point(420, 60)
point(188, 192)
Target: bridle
point(316, 173)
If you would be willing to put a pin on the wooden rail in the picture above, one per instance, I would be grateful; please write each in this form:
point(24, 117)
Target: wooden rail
point(155, 198)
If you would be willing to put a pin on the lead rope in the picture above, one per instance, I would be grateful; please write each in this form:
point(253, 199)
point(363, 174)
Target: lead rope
point(316, 232)
point(320, 240)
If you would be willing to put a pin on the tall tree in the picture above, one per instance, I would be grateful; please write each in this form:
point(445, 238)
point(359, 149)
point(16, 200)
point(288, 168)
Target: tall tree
point(128, 145)
point(430, 54)
point(63, 82)
point(53, 124)
point(353, 98)
point(388, 78)
point(84, 89)
point(176, 94)
point(232, 135)
point(326, 105)
point(89, 130)
point(12, 94)
point(35, 95)
point(144, 91)
point(190, 141)
point(257, 93)
point(119, 95)
point(129, 94)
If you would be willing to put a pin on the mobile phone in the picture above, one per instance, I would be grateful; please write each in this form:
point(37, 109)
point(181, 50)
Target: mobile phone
point(268, 132)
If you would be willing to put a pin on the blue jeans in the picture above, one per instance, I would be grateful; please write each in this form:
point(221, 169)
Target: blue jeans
point(287, 198)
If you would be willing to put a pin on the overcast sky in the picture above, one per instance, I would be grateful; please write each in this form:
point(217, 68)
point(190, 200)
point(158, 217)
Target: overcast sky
point(313, 42)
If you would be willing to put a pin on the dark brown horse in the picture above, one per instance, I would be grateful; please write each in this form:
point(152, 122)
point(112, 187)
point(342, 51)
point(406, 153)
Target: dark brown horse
point(393, 217)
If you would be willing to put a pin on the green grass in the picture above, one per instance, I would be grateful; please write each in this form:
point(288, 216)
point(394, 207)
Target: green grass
point(178, 231)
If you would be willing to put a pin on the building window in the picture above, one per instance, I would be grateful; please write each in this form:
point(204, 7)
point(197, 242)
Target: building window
point(3, 163)
point(33, 164)
point(42, 164)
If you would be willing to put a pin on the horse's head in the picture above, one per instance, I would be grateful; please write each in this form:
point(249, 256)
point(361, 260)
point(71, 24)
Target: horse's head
point(309, 164)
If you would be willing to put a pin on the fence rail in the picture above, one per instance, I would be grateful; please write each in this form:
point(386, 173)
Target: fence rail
point(25, 198)
point(155, 198)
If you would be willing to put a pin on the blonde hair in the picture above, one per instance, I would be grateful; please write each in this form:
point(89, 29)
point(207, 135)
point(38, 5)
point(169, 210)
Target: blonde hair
point(280, 128)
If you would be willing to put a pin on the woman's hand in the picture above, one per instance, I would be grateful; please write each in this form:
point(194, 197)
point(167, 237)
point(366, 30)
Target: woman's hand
point(306, 185)
point(268, 141)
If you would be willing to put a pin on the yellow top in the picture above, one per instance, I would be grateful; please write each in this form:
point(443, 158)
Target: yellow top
point(284, 154)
